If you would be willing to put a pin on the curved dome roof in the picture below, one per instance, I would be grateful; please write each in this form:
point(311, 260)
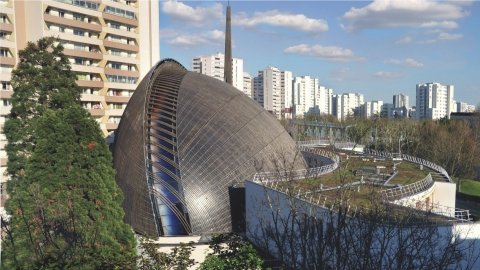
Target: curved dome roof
point(183, 140)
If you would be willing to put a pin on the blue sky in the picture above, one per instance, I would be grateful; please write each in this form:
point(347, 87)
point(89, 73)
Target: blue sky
point(377, 48)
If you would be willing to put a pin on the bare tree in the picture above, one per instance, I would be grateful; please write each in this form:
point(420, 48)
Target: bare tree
point(339, 231)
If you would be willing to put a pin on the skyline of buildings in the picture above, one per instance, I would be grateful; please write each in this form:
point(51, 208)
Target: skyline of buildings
point(102, 39)
point(289, 97)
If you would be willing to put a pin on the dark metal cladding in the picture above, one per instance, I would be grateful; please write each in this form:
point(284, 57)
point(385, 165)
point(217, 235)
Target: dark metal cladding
point(184, 139)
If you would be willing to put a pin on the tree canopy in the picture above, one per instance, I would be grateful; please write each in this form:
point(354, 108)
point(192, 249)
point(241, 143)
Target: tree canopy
point(64, 203)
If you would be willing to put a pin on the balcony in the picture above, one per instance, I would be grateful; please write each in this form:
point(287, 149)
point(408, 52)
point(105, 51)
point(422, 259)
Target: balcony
point(5, 94)
point(117, 99)
point(97, 112)
point(90, 84)
point(72, 23)
point(121, 46)
point(111, 126)
point(112, 17)
point(128, 73)
point(7, 27)
point(84, 54)
point(90, 97)
point(9, 61)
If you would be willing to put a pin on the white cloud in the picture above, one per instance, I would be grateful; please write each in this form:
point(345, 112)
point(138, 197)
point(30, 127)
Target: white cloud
point(404, 13)
point(386, 75)
point(326, 52)
point(448, 36)
point(187, 40)
point(186, 13)
point(404, 40)
point(408, 62)
point(282, 19)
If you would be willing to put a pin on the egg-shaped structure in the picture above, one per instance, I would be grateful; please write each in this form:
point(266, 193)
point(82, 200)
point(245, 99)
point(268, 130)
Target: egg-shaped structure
point(183, 140)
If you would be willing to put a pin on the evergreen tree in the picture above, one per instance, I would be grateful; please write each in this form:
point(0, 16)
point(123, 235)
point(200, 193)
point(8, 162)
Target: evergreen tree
point(64, 202)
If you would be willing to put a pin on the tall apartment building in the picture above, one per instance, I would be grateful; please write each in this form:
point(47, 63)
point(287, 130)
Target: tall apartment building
point(434, 101)
point(346, 105)
point(288, 108)
point(305, 88)
point(213, 66)
point(372, 108)
point(323, 99)
point(102, 38)
point(401, 100)
point(247, 85)
point(270, 87)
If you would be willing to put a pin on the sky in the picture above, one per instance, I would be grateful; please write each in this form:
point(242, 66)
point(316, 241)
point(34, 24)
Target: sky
point(377, 48)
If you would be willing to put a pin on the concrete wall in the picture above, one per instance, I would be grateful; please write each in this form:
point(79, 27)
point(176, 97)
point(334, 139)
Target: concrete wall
point(275, 223)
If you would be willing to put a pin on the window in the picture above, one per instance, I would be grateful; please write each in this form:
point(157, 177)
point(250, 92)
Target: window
point(80, 61)
point(114, 25)
point(7, 103)
point(5, 85)
point(3, 19)
point(116, 65)
point(78, 17)
point(61, 13)
point(4, 52)
point(3, 35)
point(78, 32)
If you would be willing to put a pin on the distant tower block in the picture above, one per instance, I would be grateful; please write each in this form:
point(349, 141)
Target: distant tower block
point(228, 48)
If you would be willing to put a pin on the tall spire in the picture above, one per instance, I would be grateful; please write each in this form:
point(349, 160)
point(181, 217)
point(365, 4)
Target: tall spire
point(228, 48)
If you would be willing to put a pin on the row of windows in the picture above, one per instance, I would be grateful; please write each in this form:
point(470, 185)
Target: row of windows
point(122, 79)
point(81, 3)
point(121, 12)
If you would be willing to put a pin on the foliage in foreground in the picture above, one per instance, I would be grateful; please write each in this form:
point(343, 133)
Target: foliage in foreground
point(151, 259)
point(64, 203)
point(231, 252)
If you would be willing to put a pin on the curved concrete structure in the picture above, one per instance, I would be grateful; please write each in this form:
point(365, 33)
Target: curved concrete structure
point(183, 140)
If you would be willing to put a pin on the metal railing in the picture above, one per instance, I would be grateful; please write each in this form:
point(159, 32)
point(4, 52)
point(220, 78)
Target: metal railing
point(412, 159)
point(393, 194)
point(303, 173)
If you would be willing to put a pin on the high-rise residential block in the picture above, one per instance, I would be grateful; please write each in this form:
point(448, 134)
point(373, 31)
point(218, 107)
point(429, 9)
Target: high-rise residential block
point(401, 100)
point(247, 85)
point(269, 89)
point(434, 101)
point(372, 109)
point(347, 105)
point(287, 95)
point(323, 99)
point(103, 40)
point(213, 66)
point(305, 88)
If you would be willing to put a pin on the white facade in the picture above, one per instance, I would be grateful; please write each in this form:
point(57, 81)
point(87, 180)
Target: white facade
point(401, 100)
point(270, 87)
point(213, 66)
point(372, 108)
point(247, 85)
point(323, 99)
point(464, 107)
point(346, 104)
point(287, 93)
point(434, 101)
point(304, 89)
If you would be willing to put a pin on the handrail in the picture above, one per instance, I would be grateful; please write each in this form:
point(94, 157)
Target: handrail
point(393, 194)
point(413, 159)
point(303, 173)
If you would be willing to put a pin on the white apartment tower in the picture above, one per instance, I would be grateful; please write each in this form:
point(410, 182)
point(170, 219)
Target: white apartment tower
point(213, 66)
point(372, 108)
point(345, 105)
point(247, 85)
point(323, 99)
point(434, 101)
point(400, 101)
point(287, 95)
point(271, 89)
point(305, 88)
point(102, 38)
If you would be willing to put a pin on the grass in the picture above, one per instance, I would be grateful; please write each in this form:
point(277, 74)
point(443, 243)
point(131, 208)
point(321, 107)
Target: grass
point(469, 187)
